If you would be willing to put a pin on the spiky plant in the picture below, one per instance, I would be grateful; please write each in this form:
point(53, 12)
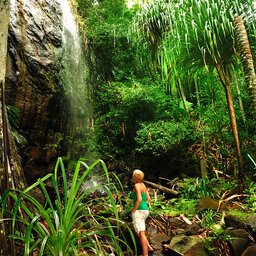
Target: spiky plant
point(200, 33)
point(147, 29)
point(66, 226)
point(205, 32)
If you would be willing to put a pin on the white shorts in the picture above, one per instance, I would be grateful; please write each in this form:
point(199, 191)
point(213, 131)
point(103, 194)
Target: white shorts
point(139, 220)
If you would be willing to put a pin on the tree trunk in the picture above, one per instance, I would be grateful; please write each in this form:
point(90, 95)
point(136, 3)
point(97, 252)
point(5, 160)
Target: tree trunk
point(197, 91)
point(203, 166)
point(240, 102)
point(4, 14)
point(169, 191)
point(233, 122)
point(225, 80)
point(11, 173)
point(247, 61)
point(182, 95)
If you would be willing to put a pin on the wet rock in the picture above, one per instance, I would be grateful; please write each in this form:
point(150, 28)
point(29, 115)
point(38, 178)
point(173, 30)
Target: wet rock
point(178, 231)
point(251, 223)
point(193, 229)
point(234, 222)
point(33, 83)
point(250, 251)
point(37, 193)
point(176, 223)
point(157, 240)
point(187, 245)
point(208, 203)
point(151, 231)
point(158, 253)
point(239, 240)
point(197, 250)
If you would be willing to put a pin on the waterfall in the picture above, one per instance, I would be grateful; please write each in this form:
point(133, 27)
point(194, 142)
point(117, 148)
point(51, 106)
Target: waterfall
point(77, 92)
point(73, 75)
point(70, 25)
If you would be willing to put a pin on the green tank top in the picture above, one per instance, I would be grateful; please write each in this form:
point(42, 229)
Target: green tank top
point(143, 204)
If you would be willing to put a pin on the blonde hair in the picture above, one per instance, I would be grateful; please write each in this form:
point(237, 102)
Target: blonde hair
point(138, 175)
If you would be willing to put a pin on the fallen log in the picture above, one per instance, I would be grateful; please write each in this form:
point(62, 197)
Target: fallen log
point(162, 188)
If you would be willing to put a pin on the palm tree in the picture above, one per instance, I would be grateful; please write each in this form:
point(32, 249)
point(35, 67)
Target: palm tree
point(200, 34)
point(150, 28)
point(205, 32)
point(244, 49)
point(240, 102)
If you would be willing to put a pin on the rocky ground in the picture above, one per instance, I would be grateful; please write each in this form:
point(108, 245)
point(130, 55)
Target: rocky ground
point(177, 235)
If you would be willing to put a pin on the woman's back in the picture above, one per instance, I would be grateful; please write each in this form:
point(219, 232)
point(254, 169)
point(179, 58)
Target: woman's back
point(141, 187)
point(143, 191)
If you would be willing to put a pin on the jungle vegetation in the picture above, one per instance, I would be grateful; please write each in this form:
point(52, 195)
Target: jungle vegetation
point(170, 83)
point(174, 92)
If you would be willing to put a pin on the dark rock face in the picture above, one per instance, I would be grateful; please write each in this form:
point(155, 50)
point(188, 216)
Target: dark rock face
point(239, 242)
point(193, 229)
point(251, 223)
point(157, 240)
point(234, 222)
point(250, 251)
point(32, 80)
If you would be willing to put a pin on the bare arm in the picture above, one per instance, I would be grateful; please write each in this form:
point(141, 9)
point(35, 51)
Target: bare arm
point(139, 199)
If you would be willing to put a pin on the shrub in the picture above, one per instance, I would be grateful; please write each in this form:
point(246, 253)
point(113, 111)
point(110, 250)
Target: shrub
point(66, 226)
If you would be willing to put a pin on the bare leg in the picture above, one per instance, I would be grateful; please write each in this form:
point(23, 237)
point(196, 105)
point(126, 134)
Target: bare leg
point(150, 249)
point(144, 243)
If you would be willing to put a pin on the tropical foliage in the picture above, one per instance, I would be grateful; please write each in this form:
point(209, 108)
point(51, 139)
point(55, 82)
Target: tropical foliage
point(196, 35)
point(63, 223)
point(169, 94)
point(163, 90)
point(13, 115)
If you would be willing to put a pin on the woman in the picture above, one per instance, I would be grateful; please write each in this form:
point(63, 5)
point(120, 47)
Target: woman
point(140, 210)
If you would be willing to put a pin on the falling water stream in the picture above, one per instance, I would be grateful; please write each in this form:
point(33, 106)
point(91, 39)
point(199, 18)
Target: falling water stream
point(77, 92)
point(74, 72)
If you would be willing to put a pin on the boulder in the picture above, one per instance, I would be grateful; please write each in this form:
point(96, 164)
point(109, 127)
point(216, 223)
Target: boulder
point(251, 223)
point(159, 253)
point(238, 241)
point(151, 231)
point(208, 203)
point(178, 231)
point(193, 229)
point(250, 251)
point(187, 246)
point(176, 223)
point(157, 240)
point(232, 221)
